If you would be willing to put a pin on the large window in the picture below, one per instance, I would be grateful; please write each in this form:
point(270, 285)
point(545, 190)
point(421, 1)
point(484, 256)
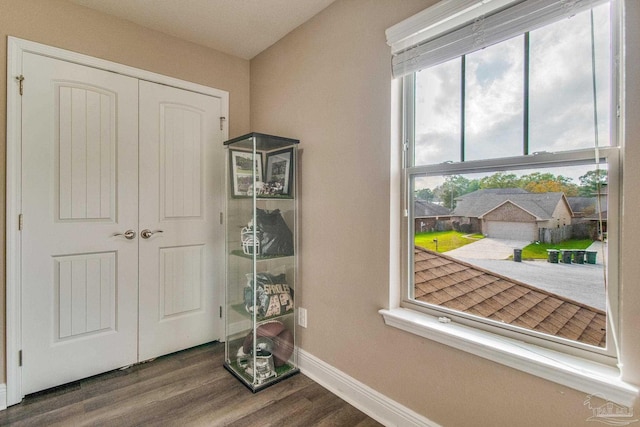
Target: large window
point(512, 177)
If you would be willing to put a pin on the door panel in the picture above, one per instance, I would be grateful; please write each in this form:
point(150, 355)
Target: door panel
point(84, 296)
point(181, 185)
point(79, 283)
point(86, 149)
point(180, 280)
point(181, 156)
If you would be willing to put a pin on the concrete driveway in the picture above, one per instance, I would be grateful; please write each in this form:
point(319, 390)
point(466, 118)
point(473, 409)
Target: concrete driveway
point(488, 248)
point(580, 282)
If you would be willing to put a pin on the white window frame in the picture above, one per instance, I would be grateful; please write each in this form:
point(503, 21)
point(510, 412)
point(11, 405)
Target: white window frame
point(608, 155)
point(573, 366)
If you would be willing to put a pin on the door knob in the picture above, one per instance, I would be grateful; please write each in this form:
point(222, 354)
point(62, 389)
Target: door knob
point(129, 234)
point(146, 233)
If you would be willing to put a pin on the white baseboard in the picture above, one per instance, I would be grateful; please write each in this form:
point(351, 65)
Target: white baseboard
point(374, 404)
point(3, 397)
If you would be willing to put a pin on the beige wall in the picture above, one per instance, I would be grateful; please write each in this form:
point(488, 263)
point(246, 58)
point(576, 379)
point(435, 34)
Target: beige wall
point(328, 83)
point(65, 25)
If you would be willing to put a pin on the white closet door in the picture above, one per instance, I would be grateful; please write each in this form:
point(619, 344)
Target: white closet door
point(181, 187)
point(79, 186)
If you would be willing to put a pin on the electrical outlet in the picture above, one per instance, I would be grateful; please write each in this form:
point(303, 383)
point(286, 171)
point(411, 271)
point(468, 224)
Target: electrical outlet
point(302, 317)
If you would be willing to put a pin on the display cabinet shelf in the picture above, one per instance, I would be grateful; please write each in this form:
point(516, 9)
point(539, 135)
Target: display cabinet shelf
point(241, 254)
point(261, 262)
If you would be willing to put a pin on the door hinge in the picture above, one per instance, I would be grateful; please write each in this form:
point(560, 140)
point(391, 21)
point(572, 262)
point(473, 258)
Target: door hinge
point(20, 80)
point(221, 312)
point(221, 218)
point(20, 222)
point(222, 119)
point(19, 357)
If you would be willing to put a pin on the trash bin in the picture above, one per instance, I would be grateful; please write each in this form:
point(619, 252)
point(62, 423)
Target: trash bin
point(552, 255)
point(517, 255)
point(578, 257)
point(591, 256)
point(565, 254)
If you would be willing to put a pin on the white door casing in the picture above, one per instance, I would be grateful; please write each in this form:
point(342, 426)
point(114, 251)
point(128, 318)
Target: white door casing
point(79, 265)
point(79, 281)
point(181, 182)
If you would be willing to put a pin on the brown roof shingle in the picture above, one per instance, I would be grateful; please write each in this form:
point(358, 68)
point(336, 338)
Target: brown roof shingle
point(445, 281)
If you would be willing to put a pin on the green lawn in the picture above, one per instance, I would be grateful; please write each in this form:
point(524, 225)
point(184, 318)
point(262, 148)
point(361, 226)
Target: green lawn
point(447, 240)
point(539, 250)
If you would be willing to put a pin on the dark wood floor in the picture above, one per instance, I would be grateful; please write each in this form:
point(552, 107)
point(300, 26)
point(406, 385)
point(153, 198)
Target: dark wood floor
point(188, 388)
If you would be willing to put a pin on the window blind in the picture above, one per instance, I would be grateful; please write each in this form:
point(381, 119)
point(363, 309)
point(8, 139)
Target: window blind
point(453, 28)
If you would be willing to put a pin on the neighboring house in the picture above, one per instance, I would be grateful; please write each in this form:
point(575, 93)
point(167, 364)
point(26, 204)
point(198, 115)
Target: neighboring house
point(582, 206)
point(598, 222)
point(451, 283)
point(590, 213)
point(431, 216)
point(512, 213)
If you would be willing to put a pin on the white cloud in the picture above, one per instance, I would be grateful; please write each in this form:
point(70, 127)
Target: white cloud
point(495, 101)
point(561, 100)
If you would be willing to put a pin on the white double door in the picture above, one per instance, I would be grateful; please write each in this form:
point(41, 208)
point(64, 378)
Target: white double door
point(104, 158)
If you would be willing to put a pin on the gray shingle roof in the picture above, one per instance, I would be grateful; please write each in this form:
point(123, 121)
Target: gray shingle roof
point(423, 208)
point(479, 203)
point(580, 204)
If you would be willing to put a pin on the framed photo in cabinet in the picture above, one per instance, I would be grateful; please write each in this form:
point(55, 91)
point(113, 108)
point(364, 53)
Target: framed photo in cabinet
point(279, 175)
point(246, 171)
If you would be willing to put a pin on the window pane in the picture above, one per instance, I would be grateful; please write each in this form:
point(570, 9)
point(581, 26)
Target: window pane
point(523, 248)
point(561, 83)
point(494, 101)
point(437, 116)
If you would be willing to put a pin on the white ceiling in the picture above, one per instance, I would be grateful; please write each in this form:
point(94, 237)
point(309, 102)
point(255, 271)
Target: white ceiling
point(242, 28)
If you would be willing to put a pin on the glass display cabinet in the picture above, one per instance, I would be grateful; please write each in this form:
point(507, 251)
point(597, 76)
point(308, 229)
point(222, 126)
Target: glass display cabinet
point(261, 264)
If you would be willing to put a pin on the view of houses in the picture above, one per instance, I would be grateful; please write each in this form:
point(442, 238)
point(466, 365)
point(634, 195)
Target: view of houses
point(515, 213)
point(478, 275)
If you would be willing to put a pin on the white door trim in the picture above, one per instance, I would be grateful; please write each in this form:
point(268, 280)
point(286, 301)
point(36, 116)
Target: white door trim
point(15, 49)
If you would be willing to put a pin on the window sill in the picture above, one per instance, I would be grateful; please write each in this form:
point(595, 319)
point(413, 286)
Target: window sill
point(571, 371)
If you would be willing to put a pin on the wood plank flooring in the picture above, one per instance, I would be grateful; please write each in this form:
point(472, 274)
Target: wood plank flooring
point(188, 388)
